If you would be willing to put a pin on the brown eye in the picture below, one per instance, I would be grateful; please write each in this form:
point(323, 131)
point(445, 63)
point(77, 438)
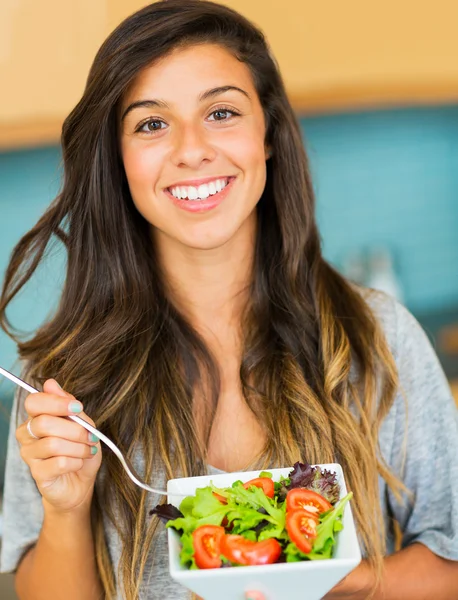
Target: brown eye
point(223, 114)
point(220, 114)
point(152, 125)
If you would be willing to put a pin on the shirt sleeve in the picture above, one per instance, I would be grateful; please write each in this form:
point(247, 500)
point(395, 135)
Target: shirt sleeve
point(425, 447)
point(22, 503)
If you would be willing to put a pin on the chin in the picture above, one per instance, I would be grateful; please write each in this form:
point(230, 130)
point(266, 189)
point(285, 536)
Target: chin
point(212, 236)
point(208, 243)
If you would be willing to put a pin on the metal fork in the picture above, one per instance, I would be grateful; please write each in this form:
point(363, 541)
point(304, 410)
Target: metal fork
point(93, 430)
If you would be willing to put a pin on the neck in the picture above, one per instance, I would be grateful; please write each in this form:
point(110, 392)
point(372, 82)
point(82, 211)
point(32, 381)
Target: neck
point(210, 287)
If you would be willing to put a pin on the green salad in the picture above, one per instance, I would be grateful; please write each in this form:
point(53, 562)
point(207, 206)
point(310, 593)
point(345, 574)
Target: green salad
point(259, 521)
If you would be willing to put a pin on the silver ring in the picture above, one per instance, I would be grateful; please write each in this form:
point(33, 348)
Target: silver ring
point(29, 428)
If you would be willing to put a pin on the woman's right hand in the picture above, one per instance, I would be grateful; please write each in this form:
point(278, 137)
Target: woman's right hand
point(61, 461)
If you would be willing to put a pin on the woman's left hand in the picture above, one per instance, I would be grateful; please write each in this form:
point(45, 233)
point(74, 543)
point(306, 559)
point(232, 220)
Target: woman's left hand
point(356, 585)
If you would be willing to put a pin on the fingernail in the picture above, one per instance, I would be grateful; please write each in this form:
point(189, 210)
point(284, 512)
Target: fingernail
point(93, 438)
point(58, 384)
point(75, 407)
point(94, 450)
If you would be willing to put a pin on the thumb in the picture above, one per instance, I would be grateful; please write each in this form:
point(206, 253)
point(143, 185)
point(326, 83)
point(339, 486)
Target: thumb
point(254, 596)
point(51, 386)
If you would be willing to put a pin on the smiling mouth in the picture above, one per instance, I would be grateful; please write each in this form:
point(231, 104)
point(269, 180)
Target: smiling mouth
point(201, 192)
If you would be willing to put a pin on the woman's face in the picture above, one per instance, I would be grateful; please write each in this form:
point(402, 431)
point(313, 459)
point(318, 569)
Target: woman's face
point(193, 150)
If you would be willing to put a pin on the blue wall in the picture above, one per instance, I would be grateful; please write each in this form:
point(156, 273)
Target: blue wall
point(383, 178)
point(29, 180)
point(390, 178)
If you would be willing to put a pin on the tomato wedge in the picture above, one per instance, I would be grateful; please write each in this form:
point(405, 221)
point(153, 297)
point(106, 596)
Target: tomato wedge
point(263, 553)
point(233, 546)
point(222, 499)
point(306, 499)
point(207, 546)
point(262, 482)
point(239, 550)
point(301, 527)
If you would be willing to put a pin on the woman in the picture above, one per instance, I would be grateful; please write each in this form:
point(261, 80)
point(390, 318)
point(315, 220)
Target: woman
point(201, 329)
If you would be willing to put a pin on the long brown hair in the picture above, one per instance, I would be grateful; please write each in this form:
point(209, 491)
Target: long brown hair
point(118, 344)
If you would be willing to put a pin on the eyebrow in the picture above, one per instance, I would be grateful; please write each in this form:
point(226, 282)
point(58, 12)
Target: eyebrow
point(204, 96)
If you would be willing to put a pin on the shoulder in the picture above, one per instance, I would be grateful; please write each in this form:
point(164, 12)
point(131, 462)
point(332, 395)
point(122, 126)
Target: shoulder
point(402, 331)
point(418, 366)
point(421, 379)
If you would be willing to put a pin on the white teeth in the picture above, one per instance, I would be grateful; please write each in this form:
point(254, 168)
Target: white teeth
point(199, 193)
point(203, 191)
point(192, 193)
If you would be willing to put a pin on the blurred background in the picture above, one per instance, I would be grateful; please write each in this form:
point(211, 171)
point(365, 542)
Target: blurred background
point(375, 86)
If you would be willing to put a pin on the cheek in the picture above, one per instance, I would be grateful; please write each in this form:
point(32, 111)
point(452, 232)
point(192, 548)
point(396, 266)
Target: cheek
point(141, 169)
point(142, 173)
point(247, 150)
point(248, 155)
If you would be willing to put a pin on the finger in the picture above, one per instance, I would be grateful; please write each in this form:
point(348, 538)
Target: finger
point(52, 401)
point(50, 469)
point(52, 446)
point(254, 596)
point(51, 426)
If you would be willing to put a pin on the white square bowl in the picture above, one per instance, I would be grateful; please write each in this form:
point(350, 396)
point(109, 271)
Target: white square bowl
point(298, 580)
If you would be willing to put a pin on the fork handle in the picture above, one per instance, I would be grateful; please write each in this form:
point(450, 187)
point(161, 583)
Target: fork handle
point(90, 428)
point(118, 453)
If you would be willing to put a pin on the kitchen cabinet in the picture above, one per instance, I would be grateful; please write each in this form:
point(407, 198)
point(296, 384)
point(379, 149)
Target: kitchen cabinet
point(334, 55)
point(46, 49)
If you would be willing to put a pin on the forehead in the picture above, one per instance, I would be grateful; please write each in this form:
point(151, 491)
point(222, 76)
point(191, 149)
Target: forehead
point(190, 70)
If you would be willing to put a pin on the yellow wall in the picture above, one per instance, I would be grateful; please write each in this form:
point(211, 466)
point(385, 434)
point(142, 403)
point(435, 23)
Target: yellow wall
point(46, 48)
point(339, 53)
point(334, 54)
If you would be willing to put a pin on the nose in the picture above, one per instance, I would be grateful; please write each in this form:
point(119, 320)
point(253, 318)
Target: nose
point(192, 148)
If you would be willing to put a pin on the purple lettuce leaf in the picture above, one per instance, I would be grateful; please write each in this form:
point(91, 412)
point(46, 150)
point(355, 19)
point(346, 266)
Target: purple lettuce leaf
point(323, 482)
point(166, 512)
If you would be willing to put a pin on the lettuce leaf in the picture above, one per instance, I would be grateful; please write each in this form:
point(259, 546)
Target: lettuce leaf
point(201, 509)
point(166, 512)
point(273, 530)
point(265, 474)
point(244, 518)
point(187, 552)
point(204, 503)
point(256, 499)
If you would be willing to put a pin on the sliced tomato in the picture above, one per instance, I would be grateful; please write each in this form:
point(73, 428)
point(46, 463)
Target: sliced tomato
point(233, 546)
point(241, 551)
point(263, 553)
point(301, 527)
point(307, 499)
point(262, 482)
point(222, 499)
point(207, 546)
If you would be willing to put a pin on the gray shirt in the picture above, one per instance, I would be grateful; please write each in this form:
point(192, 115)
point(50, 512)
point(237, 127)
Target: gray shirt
point(430, 468)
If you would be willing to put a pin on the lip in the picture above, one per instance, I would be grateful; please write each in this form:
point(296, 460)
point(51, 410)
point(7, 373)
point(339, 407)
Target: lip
point(210, 203)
